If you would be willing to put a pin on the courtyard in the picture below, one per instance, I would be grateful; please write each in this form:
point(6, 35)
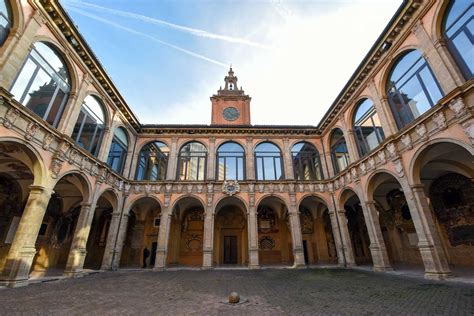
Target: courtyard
point(267, 292)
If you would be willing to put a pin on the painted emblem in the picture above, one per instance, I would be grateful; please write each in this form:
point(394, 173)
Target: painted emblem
point(231, 187)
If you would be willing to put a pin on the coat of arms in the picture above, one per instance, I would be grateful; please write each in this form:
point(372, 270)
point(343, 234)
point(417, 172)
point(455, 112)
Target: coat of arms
point(231, 187)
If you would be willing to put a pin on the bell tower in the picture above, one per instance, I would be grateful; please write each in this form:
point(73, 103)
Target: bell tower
point(230, 106)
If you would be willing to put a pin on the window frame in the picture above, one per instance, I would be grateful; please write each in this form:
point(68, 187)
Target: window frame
point(232, 155)
point(364, 148)
point(123, 159)
point(269, 155)
point(147, 159)
point(306, 153)
point(9, 19)
point(192, 155)
point(332, 147)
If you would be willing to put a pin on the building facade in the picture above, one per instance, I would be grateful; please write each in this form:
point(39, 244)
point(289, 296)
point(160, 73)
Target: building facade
point(385, 179)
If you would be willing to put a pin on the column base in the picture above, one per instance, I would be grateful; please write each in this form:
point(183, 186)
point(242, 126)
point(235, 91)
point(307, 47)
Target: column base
point(14, 283)
point(254, 267)
point(438, 276)
point(382, 269)
point(159, 269)
point(74, 274)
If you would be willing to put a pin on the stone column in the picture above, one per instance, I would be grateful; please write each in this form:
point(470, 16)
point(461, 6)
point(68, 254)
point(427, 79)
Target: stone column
point(12, 60)
point(78, 251)
point(252, 227)
point(211, 159)
point(429, 243)
point(249, 160)
point(337, 239)
point(111, 247)
point(288, 160)
point(119, 241)
point(173, 160)
point(297, 241)
point(346, 246)
point(377, 245)
point(163, 238)
point(22, 250)
point(208, 243)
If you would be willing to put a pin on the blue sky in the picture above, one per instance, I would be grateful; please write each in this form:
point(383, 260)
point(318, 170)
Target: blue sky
point(292, 57)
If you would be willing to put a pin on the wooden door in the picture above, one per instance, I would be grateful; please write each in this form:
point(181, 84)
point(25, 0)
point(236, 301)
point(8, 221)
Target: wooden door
point(230, 249)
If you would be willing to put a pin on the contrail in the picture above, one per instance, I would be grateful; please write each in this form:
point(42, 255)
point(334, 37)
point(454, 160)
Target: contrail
point(97, 18)
point(146, 19)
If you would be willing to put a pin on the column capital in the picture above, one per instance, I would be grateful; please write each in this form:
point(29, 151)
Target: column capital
point(39, 189)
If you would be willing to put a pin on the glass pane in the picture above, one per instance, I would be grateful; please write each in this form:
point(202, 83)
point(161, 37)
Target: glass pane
point(56, 108)
point(40, 93)
point(5, 21)
point(51, 61)
point(23, 79)
point(278, 168)
point(403, 68)
point(231, 168)
point(231, 147)
point(465, 48)
point(96, 141)
point(240, 164)
point(94, 108)
point(269, 168)
point(415, 97)
point(202, 165)
point(78, 125)
point(430, 84)
point(267, 147)
point(362, 110)
point(122, 136)
point(259, 168)
point(220, 169)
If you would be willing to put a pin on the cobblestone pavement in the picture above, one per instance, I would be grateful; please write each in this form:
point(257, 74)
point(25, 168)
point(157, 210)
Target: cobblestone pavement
point(269, 292)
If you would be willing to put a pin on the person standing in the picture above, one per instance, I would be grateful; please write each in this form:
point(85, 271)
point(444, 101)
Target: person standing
point(146, 254)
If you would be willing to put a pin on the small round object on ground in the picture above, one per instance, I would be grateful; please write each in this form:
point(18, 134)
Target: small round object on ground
point(234, 298)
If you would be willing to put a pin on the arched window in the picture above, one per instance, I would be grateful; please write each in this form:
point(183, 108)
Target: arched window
point(230, 162)
point(412, 89)
point(192, 162)
point(306, 162)
point(339, 153)
point(458, 30)
point(268, 162)
point(43, 83)
point(118, 150)
point(367, 127)
point(5, 21)
point(90, 125)
point(152, 162)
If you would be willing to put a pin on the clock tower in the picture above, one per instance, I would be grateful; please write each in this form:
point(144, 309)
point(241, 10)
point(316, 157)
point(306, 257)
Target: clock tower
point(230, 106)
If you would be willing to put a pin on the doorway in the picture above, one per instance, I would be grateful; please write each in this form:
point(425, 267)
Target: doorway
point(154, 245)
point(230, 249)
point(305, 251)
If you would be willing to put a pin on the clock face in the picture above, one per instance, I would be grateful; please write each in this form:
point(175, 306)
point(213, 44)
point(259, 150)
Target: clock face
point(231, 113)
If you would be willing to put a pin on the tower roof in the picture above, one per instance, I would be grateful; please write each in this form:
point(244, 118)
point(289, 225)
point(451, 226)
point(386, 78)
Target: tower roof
point(230, 86)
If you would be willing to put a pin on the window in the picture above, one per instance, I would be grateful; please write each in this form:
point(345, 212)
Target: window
point(306, 162)
point(90, 125)
point(367, 127)
point(412, 89)
point(43, 83)
point(339, 153)
point(5, 21)
point(230, 162)
point(268, 162)
point(152, 162)
point(459, 33)
point(192, 162)
point(118, 150)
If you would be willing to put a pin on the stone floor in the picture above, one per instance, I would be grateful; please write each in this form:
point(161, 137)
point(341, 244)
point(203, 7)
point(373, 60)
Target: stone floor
point(269, 292)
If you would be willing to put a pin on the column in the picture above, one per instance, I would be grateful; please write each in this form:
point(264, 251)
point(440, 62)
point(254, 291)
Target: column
point(431, 250)
point(78, 251)
point(339, 220)
point(337, 239)
point(105, 144)
point(163, 238)
point(211, 159)
point(287, 159)
point(296, 236)
point(252, 225)
point(249, 160)
point(111, 249)
point(173, 160)
point(22, 250)
point(377, 244)
point(208, 244)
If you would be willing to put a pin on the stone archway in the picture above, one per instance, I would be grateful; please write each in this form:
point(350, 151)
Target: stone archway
point(318, 240)
point(445, 171)
point(142, 232)
point(357, 227)
point(230, 233)
point(275, 241)
point(99, 230)
point(395, 218)
point(185, 244)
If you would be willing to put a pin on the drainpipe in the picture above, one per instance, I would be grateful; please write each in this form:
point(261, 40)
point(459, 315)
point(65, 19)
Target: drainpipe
point(335, 211)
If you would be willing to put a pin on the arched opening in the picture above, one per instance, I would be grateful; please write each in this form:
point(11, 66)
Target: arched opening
point(185, 245)
point(396, 224)
point(152, 162)
point(367, 127)
point(318, 240)
point(357, 227)
point(89, 127)
point(118, 150)
point(230, 162)
point(412, 88)
point(5, 20)
point(446, 171)
point(268, 162)
point(142, 233)
point(230, 233)
point(339, 151)
point(458, 32)
point(44, 83)
point(17, 174)
point(99, 231)
point(275, 242)
point(192, 162)
point(59, 225)
point(306, 162)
